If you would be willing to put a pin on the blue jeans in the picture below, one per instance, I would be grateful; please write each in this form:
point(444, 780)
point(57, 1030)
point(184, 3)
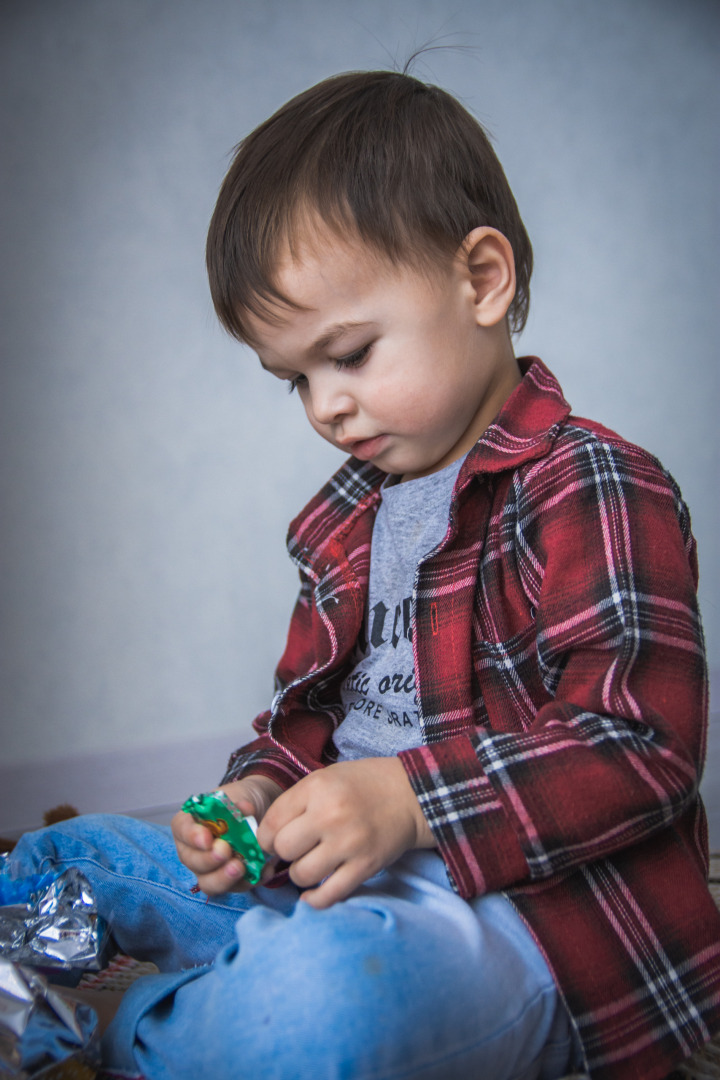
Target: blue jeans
point(402, 980)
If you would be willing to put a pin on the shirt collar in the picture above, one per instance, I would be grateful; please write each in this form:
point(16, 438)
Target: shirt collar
point(526, 426)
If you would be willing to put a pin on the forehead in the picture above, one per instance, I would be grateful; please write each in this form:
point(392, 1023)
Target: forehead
point(322, 278)
point(327, 274)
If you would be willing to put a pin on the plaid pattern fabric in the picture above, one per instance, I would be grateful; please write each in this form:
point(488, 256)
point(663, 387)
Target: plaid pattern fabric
point(562, 688)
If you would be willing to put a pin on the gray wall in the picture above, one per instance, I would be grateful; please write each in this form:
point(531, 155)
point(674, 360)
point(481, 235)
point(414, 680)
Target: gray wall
point(148, 468)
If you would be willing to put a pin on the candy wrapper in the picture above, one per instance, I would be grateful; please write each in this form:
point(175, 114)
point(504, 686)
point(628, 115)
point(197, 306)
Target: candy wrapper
point(219, 814)
point(42, 1032)
point(51, 922)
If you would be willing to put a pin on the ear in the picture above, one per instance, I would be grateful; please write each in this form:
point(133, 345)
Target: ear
point(488, 265)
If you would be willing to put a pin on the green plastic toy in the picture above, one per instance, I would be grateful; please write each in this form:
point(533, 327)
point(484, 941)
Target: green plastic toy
point(222, 817)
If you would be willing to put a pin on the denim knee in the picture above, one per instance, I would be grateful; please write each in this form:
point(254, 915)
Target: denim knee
point(343, 993)
point(307, 995)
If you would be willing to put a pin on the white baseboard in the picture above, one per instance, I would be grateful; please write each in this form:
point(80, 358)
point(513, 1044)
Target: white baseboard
point(150, 782)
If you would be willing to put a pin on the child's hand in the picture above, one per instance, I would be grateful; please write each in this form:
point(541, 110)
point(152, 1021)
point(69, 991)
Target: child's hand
point(342, 824)
point(217, 868)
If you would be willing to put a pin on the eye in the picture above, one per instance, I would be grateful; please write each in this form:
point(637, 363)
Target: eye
point(299, 380)
point(353, 360)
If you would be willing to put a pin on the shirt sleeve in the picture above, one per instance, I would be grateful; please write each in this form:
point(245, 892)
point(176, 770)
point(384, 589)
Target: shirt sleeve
point(611, 749)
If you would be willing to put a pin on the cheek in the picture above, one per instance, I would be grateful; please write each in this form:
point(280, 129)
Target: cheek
point(429, 410)
point(414, 396)
point(403, 389)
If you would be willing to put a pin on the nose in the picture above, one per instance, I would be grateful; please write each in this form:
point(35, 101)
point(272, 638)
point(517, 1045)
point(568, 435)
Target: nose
point(328, 400)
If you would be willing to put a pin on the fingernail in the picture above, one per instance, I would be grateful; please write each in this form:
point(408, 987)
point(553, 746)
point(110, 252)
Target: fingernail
point(233, 869)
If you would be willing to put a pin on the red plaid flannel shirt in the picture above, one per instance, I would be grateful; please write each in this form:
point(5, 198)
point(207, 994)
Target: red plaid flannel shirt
point(562, 687)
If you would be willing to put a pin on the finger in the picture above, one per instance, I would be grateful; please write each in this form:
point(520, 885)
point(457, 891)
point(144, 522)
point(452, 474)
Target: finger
point(181, 825)
point(295, 839)
point(204, 862)
point(228, 878)
point(338, 886)
point(247, 808)
point(190, 833)
point(314, 866)
point(286, 808)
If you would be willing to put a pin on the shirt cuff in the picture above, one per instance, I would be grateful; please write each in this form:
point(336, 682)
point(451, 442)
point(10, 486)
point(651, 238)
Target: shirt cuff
point(475, 838)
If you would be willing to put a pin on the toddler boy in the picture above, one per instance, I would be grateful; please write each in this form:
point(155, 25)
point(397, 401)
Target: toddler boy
point(479, 776)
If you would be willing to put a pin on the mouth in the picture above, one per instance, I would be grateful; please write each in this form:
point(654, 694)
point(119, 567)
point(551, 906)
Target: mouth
point(365, 449)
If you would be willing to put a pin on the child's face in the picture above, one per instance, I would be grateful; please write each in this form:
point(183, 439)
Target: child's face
point(390, 364)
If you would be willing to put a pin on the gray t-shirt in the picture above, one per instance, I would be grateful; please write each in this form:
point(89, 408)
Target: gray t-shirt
point(378, 697)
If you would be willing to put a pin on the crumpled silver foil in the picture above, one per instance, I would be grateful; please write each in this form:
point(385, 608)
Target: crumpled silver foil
point(40, 1028)
point(52, 922)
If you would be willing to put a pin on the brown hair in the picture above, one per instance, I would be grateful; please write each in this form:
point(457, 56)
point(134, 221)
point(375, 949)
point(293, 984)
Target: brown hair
point(400, 161)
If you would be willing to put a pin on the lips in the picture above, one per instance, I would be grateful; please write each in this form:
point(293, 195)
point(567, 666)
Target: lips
point(365, 449)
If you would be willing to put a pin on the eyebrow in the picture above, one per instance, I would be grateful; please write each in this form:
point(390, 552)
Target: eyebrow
point(333, 333)
point(328, 336)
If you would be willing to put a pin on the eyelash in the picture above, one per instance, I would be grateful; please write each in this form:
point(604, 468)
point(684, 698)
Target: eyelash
point(354, 360)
